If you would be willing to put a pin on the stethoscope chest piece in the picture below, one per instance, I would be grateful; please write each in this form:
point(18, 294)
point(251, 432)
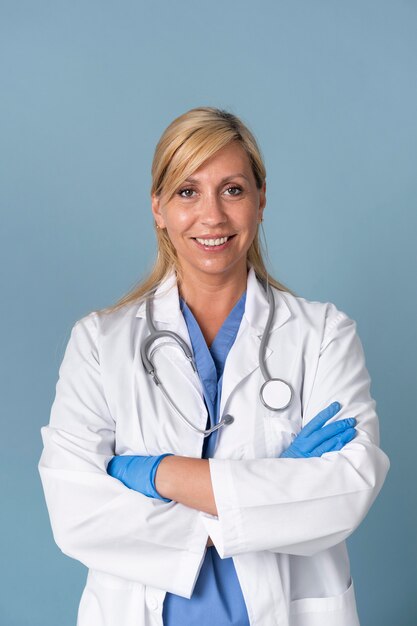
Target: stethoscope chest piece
point(275, 394)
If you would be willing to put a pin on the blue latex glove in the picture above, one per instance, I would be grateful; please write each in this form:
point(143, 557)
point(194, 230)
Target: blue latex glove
point(137, 472)
point(315, 439)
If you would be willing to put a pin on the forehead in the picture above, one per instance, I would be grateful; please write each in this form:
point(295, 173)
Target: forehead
point(229, 160)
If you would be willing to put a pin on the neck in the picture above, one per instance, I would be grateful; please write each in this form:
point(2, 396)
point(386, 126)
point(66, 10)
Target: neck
point(213, 297)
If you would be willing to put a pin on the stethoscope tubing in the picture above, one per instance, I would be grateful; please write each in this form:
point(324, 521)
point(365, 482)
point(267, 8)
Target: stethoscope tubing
point(180, 343)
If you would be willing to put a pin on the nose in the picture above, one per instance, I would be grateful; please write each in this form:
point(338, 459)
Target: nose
point(212, 212)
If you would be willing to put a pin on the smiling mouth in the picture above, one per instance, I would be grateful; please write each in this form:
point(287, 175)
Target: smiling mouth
point(213, 242)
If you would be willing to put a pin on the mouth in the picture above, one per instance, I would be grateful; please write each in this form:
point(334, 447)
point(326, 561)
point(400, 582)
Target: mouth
point(215, 243)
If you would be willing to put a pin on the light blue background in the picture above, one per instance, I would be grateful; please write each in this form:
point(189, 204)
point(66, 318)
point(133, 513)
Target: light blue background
point(86, 89)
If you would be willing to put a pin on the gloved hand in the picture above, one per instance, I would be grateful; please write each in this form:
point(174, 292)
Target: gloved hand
point(137, 472)
point(315, 439)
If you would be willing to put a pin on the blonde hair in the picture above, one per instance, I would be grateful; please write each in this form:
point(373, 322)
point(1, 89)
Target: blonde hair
point(186, 144)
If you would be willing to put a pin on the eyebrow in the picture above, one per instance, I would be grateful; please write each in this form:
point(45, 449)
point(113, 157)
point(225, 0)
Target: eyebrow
point(223, 180)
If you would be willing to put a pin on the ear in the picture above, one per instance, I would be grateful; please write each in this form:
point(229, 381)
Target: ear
point(156, 210)
point(262, 201)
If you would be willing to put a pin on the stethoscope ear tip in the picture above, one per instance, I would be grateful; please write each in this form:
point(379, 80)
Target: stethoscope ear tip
point(228, 419)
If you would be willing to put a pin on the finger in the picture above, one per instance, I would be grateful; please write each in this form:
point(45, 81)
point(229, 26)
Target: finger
point(327, 432)
point(321, 418)
point(334, 443)
point(345, 437)
point(326, 446)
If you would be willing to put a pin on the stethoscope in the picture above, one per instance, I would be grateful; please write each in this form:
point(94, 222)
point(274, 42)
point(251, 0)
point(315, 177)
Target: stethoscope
point(275, 393)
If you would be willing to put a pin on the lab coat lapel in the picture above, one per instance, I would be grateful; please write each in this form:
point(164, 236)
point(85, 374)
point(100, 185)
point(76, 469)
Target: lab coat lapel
point(243, 357)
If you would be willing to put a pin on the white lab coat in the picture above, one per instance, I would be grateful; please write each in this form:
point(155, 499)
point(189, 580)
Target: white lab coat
point(284, 521)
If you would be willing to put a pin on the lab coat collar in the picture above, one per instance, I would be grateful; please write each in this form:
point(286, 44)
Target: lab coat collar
point(257, 307)
point(166, 304)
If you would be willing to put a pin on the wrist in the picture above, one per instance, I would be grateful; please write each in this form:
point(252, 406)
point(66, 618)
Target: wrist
point(161, 477)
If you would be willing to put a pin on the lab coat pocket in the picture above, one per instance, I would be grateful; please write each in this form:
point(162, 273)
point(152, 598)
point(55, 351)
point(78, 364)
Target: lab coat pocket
point(337, 610)
point(110, 601)
point(281, 427)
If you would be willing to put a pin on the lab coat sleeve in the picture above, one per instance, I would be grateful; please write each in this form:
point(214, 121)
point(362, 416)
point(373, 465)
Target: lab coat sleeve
point(94, 517)
point(301, 506)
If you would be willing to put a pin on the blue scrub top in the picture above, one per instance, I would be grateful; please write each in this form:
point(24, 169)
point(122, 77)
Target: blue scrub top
point(217, 597)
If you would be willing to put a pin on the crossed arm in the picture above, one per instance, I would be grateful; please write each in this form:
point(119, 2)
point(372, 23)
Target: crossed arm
point(188, 481)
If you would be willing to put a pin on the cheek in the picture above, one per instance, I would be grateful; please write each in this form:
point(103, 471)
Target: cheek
point(179, 220)
point(250, 221)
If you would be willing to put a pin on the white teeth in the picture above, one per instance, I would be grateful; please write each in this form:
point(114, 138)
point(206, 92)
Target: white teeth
point(212, 242)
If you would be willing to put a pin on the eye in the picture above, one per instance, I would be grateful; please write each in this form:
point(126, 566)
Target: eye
point(235, 187)
point(186, 192)
point(181, 191)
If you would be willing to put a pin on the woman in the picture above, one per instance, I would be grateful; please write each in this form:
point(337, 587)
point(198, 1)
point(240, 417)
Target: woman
point(180, 522)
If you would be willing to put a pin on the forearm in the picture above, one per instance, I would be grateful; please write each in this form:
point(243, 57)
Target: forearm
point(186, 480)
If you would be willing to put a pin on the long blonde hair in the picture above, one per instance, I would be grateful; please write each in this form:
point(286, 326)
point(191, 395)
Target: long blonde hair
point(186, 144)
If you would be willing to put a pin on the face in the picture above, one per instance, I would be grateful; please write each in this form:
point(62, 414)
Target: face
point(220, 199)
